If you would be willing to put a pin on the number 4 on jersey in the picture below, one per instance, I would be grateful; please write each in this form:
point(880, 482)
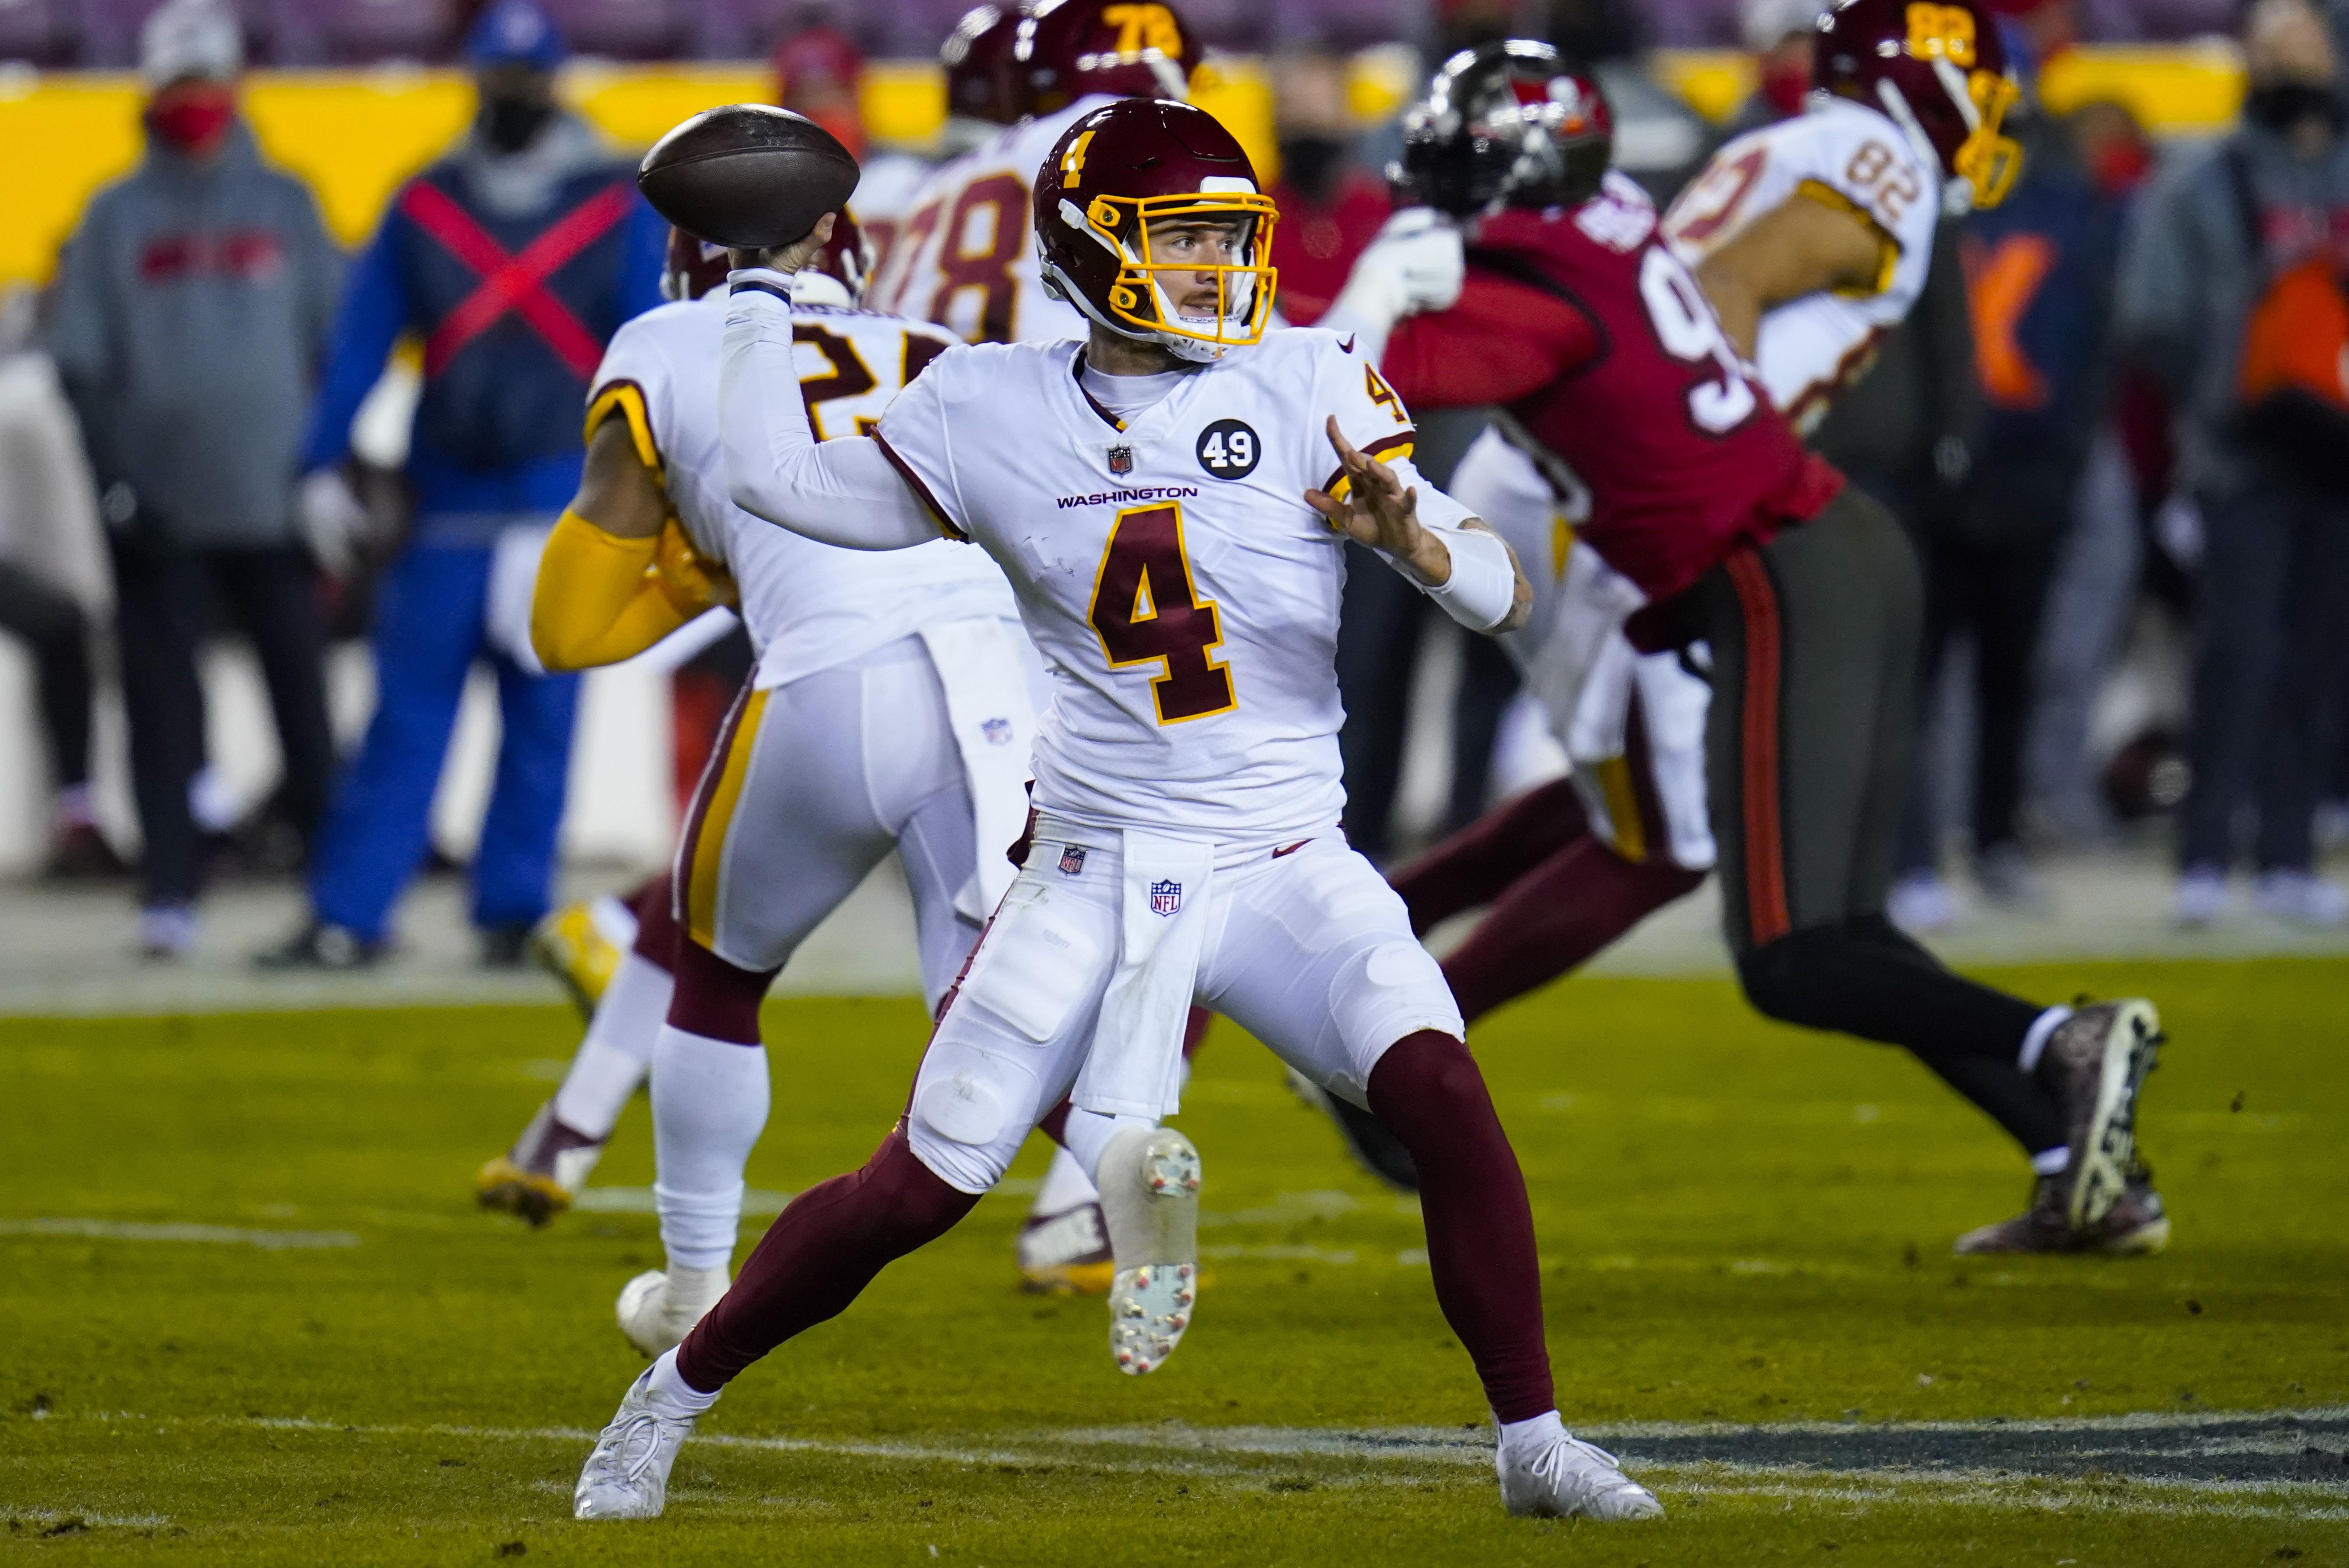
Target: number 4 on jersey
point(1145, 608)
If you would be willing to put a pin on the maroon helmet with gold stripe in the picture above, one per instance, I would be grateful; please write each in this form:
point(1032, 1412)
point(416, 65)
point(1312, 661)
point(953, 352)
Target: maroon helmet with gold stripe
point(1938, 68)
point(1067, 49)
point(1131, 165)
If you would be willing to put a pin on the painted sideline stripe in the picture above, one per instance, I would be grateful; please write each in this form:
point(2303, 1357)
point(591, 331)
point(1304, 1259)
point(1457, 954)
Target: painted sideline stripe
point(1457, 1446)
point(128, 1230)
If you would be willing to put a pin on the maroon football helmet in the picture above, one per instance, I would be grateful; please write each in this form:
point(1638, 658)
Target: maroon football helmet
point(1131, 165)
point(1938, 70)
point(693, 268)
point(977, 59)
point(1066, 49)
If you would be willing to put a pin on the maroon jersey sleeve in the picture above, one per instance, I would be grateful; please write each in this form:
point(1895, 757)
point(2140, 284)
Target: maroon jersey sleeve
point(1505, 340)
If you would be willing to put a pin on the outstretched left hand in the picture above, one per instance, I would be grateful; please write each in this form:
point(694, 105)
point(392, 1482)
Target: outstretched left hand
point(1377, 511)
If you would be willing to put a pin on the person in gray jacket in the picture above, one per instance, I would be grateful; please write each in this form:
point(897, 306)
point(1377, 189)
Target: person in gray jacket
point(191, 314)
point(2207, 241)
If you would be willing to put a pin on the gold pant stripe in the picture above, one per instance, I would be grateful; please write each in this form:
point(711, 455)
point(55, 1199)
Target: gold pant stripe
point(1623, 808)
point(717, 816)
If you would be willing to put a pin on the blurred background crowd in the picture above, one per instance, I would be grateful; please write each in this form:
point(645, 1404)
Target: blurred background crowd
point(266, 532)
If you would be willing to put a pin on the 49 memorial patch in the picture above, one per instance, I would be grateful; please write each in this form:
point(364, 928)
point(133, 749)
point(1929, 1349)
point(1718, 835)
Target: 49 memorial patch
point(1229, 449)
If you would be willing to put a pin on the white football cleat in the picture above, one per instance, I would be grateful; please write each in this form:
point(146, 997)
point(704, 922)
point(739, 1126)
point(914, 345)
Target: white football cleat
point(1557, 1475)
point(627, 1475)
point(1149, 1183)
point(657, 1310)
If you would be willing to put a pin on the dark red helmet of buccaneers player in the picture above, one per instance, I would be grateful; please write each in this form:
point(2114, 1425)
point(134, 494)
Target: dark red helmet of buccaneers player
point(1120, 187)
point(1938, 70)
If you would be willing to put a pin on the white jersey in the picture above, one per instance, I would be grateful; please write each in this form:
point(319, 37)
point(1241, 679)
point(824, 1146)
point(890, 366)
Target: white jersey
point(1850, 156)
point(964, 255)
point(886, 187)
point(1183, 594)
point(808, 606)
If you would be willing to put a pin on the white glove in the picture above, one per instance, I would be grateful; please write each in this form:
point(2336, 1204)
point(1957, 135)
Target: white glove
point(1415, 263)
point(331, 519)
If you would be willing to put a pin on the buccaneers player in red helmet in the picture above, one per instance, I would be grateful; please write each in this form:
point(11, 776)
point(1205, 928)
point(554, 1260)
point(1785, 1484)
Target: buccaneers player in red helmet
point(1609, 363)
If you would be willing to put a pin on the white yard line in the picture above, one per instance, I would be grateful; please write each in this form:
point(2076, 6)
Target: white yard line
point(128, 1230)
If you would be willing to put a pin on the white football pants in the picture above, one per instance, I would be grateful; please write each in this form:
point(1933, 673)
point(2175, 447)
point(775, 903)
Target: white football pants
point(1307, 950)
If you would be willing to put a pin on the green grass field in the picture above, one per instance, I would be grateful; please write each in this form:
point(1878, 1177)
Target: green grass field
point(342, 1361)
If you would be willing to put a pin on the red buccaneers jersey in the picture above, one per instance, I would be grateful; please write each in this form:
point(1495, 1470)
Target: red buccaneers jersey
point(1599, 345)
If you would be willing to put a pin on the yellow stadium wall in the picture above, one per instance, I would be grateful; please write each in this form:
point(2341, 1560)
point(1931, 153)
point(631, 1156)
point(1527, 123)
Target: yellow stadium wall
point(354, 136)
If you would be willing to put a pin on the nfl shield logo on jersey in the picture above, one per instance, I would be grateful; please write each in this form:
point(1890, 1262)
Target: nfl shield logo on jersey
point(1121, 460)
point(1072, 858)
point(998, 731)
point(1165, 897)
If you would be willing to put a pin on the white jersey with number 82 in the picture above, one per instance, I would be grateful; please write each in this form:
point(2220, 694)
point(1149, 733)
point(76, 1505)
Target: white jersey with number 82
point(1849, 156)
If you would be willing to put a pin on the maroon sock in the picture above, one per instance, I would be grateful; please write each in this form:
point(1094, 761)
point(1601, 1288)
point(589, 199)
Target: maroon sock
point(1480, 1227)
point(656, 922)
point(1473, 865)
point(713, 998)
point(821, 1252)
point(1556, 916)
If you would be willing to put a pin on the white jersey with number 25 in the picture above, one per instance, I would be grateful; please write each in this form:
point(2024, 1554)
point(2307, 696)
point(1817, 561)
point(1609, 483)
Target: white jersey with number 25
point(808, 606)
point(1182, 593)
point(1847, 156)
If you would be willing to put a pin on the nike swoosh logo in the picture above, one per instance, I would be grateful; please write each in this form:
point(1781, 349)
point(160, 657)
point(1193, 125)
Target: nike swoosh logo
point(1290, 848)
point(1347, 342)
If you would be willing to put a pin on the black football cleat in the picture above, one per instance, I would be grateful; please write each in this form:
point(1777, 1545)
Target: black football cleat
point(2095, 1065)
point(2132, 1226)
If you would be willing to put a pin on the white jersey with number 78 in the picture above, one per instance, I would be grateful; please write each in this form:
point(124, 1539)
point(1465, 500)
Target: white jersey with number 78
point(964, 254)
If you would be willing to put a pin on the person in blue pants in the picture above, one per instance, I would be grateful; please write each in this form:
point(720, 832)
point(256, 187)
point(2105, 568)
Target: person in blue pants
point(512, 259)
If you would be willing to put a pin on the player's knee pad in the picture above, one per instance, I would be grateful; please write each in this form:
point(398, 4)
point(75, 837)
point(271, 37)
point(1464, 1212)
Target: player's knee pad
point(1385, 994)
point(971, 1110)
point(1795, 979)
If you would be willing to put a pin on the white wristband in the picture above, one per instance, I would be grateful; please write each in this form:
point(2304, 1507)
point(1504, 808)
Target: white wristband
point(1482, 586)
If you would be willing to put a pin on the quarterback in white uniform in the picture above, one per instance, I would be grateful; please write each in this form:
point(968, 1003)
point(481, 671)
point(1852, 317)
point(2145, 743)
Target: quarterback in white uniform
point(964, 255)
point(1168, 496)
point(890, 709)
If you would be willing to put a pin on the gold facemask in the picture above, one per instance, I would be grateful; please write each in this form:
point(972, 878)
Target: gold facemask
point(1243, 290)
point(1990, 159)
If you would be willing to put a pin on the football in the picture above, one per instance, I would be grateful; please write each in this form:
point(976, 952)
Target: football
point(747, 176)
